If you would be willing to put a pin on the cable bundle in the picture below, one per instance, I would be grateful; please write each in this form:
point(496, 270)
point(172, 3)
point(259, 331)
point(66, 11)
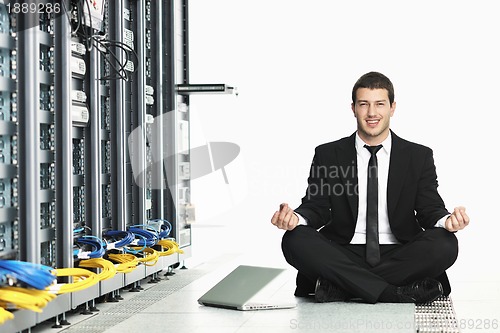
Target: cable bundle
point(146, 237)
point(103, 45)
point(121, 70)
point(171, 246)
point(98, 247)
point(5, 315)
point(150, 258)
point(22, 298)
point(108, 270)
point(165, 227)
point(126, 262)
point(33, 275)
point(121, 238)
point(83, 279)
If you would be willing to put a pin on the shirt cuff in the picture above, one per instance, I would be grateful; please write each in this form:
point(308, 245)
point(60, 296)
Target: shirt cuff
point(440, 223)
point(302, 220)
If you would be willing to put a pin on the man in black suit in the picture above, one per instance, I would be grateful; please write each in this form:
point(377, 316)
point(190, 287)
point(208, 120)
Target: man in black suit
point(381, 237)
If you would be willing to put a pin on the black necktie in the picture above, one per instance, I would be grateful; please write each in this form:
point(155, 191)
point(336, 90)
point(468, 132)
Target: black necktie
point(372, 245)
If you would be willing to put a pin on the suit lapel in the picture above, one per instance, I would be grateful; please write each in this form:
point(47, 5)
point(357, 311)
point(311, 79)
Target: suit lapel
point(349, 172)
point(398, 165)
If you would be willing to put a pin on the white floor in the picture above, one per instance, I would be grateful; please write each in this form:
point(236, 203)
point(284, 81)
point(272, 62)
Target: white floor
point(477, 305)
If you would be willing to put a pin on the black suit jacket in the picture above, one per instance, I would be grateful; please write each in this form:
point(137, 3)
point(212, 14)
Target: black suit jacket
point(331, 200)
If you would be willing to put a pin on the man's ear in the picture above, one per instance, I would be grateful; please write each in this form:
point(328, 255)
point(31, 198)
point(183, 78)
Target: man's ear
point(353, 109)
point(393, 108)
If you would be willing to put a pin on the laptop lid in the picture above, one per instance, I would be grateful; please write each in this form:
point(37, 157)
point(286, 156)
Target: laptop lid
point(239, 286)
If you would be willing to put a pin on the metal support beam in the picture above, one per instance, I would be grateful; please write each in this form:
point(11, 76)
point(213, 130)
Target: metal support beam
point(64, 146)
point(29, 139)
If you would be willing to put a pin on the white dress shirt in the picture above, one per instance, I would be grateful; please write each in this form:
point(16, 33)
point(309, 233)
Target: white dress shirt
point(383, 157)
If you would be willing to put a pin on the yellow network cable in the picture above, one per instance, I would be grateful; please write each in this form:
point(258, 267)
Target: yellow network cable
point(150, 258)
point(171, 246)
point(127, 262)
point(108, 269)
point(5, 315)
point(83, 279)
point(23, 298)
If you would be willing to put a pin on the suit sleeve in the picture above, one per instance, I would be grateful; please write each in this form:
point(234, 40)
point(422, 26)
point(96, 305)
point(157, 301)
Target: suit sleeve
point(429, 205)
point(315, 207)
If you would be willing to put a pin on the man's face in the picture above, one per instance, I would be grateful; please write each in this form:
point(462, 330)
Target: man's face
point(373, 112)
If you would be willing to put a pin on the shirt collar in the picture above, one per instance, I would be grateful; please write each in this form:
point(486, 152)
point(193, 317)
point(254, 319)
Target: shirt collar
point(386, 144)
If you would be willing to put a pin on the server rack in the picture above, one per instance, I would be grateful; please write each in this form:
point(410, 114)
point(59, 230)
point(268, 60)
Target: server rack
point(67, 112)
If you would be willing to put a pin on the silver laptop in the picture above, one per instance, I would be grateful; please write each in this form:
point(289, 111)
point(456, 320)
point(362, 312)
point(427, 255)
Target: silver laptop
point(247, 288)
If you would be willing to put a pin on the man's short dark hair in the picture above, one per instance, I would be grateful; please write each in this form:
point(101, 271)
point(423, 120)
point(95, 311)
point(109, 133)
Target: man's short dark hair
point(374, 80)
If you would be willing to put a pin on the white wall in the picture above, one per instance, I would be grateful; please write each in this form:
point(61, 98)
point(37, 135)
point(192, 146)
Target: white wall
point(294, 63)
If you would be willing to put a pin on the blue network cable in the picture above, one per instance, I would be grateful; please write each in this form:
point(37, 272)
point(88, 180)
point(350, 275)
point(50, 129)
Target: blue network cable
point(34, 275)
point(132, 251)
point(166, 228)
point(125, 237)
point(98, 245)
point(150, 237)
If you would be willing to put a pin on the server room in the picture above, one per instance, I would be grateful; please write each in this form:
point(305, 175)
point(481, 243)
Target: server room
point(195, 166)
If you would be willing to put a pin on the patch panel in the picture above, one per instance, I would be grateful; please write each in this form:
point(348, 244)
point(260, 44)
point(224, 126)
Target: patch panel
point(15, 193)
point(126, 14)
point(78, 96)
point(148, 11)
point(4, 109)
point(47, 137)
point(47, 97)
point(80, 115)
point(5, 194)
point(148, 67)
point(4, 63)
point(47, 215)
point(48, 253)
point(149, 90)
point(47, 58)
point(106, 201)
point(149, 99)
point(5, 145)
point(79, 205)
point(78, 157)
point(78, 48)
point(128, 37)
point(4, 20)
point(9, 240)
point(106, 157)
point(130, 66)
point(13, 65)
point(148, 39)
point(46, 22)
point(106, 116)
point(78, 66)
point(47, 176)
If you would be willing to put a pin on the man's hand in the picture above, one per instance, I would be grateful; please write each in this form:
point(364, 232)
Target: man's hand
point(285, 218)
point(457, 220)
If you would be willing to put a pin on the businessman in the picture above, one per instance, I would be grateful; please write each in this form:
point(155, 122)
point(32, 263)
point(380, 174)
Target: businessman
point(372, 225)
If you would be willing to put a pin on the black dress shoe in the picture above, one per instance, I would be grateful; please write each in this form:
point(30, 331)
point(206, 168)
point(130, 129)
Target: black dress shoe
point(423, 291)
point(326, 291)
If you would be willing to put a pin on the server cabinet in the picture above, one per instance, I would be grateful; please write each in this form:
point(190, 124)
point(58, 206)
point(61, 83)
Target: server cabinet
point(75, 84)
point(9, 140)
